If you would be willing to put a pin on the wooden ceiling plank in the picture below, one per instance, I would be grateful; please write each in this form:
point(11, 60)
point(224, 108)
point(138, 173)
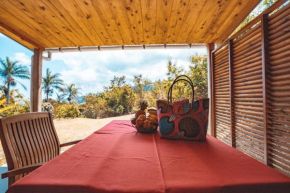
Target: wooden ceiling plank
point(107, 18)
point(94, 19)
point(236, 17)
point(191, 16)
point(19, 27)
point(134, 13)
point(164, 8)
point(178, 11)
point(118, 9)
point(209, 11)
point(76, 13)
point(149, 20)
point(65, 21)
point(219, 16)
point(19, 38)
point(37, 20)
point(50, 19)
point(123, 22)
point(219, 20)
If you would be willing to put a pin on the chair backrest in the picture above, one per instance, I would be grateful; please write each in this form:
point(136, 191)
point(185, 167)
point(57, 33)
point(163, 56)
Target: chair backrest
point(28, 139)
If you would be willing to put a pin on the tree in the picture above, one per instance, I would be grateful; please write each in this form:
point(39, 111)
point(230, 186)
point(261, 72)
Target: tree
point(10, 71)
point(14, 94)
point(268, 3)
point(138, 81)
point(59, 96)
point(142, 86)
point(50, 82)
point(71, 92)
point(119, 96)
point(198, 75)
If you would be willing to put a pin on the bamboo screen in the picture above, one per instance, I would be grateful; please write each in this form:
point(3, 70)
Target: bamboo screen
point(251, 89)
point(222, 95)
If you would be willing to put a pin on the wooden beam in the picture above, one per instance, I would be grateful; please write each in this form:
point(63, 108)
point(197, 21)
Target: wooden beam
point(231, 75)
point(36, 80)
point(265, 85)
point(210, 48)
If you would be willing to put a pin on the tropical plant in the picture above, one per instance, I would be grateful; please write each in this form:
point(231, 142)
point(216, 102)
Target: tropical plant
point(50, 82)
point(10, 71)
point(71, 92)
point(2, 107)
point(198, 75)
point(59, 96)
point(67, 111)
point(16, 109)
point(47, 107)
point(15, 96)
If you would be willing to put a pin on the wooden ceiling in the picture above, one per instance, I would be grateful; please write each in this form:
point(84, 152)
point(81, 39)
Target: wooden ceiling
point(72, 23)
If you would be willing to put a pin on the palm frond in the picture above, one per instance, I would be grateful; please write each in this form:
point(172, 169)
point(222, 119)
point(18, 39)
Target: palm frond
point(25, 88)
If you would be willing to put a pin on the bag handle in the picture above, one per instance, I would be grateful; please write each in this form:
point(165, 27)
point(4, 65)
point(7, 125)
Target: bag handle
point(177, 79)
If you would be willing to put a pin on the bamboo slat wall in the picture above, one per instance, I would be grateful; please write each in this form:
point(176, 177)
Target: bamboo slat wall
point(251, 89)
point(222, 95)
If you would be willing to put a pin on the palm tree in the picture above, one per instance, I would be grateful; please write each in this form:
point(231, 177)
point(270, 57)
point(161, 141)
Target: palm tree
point(50, 82)
point(59, 97)
point(9, 71)
point(71, 92)
point(14, 95)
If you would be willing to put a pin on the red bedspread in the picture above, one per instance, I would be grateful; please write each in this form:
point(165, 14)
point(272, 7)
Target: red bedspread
point(117, 159)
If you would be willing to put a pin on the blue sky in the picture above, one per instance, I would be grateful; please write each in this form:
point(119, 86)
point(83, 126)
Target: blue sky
point(91, 71)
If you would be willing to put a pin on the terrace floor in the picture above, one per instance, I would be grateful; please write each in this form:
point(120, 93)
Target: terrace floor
point(73, 129)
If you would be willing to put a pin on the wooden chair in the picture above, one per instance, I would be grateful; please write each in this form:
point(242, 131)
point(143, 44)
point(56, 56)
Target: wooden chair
point(28, 140)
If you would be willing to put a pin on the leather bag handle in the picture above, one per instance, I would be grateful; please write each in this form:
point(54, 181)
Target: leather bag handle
point(177, 79)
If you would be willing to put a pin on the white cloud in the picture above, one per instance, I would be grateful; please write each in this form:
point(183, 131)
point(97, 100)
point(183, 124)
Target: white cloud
point(2, 35)
point(22, 58)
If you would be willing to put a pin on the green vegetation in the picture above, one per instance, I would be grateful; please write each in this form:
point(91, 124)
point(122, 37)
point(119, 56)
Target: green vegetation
point(71, 93)
point(51, 82)
point(67, 111)
point(10, 71)
point(119, 98)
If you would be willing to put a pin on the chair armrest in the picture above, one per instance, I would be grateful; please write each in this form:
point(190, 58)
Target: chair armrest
point(22, 170)
point(70, 143)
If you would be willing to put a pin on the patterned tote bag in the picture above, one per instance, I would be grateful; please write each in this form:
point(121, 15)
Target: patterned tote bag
point(183, 119)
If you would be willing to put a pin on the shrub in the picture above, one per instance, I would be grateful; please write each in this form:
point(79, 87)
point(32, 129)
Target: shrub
point(120, 110)
point(90, 113)
point(108, 112)
point(47, 107)
point(67, 111)
point(16, 109)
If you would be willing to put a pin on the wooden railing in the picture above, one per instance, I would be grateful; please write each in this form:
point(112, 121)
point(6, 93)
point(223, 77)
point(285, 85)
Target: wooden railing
point(251, 88)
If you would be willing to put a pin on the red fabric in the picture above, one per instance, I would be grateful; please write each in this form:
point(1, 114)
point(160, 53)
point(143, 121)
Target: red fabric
point(117, 159)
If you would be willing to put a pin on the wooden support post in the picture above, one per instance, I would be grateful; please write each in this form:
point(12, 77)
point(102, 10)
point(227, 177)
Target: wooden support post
point(232, 129)
point(210, 48)
point(265, 85)
point(36, 80)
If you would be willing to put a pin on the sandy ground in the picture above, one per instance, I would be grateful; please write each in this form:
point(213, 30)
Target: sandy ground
point(73, 129)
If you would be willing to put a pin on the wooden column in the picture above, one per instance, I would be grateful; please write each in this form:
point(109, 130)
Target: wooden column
point(36, 80)
point(232, 129)
point(210, 48)
point(265, 85)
